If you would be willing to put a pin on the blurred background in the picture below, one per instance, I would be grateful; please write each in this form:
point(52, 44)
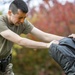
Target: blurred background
point(52, 16)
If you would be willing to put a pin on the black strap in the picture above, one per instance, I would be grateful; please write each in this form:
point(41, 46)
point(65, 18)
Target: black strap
point(4, 63)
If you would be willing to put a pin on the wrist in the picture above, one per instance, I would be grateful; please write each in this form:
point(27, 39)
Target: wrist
point(48, 45)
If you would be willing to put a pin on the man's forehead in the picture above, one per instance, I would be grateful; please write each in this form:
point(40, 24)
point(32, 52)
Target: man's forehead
point(21, 13)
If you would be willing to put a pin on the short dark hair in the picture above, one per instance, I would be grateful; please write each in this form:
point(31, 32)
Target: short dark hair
point(18, 4)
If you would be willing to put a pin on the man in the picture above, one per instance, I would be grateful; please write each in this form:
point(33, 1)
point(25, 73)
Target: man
point(11, 26)
point(64, 54)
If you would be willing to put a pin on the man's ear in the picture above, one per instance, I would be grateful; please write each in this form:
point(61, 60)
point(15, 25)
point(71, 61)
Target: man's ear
point(9, 12)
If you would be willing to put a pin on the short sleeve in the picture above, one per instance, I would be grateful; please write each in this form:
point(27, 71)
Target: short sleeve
point(3, 26)
point(27, 27)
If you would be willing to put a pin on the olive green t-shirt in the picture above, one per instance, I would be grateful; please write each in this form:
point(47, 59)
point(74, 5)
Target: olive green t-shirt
point(6, 45)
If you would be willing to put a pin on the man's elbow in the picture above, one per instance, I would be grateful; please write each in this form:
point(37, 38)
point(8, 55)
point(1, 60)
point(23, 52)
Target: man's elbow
point(20, 42)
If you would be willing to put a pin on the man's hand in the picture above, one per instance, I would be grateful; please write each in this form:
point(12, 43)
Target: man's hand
point(72, 35)
point(52, 42)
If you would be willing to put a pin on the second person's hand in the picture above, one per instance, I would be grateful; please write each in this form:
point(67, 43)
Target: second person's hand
point(72, 35)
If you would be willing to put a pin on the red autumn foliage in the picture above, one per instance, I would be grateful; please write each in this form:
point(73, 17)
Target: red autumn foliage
point(57, 19)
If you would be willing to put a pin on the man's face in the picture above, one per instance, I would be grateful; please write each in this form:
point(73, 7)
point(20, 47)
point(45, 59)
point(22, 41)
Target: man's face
point(17, 18)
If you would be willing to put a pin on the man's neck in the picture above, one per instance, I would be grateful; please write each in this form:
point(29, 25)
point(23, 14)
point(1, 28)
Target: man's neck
point(8, 17)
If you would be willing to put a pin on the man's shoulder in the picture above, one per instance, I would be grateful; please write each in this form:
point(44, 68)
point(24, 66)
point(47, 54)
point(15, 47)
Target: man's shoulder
point(25, 21)
point(2, 17)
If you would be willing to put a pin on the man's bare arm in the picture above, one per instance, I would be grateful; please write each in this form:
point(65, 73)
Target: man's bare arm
point(9, 35)
point(47, 37)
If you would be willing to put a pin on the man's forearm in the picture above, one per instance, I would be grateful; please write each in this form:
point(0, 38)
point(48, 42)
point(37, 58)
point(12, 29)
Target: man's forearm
point(43, 36)
point(55, 37)
point(51, 37)
point(33, 44)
